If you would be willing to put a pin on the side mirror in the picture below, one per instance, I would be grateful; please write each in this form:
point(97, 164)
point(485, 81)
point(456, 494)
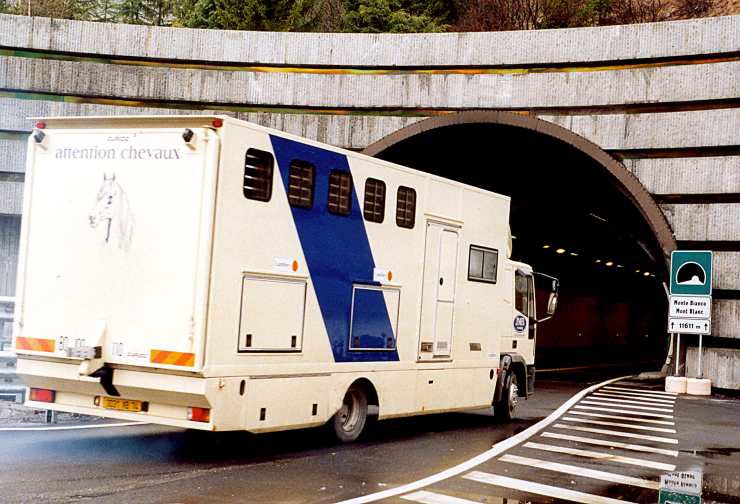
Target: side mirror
point(552, 303)
point(544, 281)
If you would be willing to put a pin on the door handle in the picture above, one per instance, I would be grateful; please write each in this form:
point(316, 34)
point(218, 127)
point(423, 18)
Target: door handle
point(441, 280)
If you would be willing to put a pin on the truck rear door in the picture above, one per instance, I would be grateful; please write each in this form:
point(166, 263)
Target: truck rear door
point(115, 245)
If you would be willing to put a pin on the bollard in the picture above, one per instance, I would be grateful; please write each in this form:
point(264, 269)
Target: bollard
point(51, 416)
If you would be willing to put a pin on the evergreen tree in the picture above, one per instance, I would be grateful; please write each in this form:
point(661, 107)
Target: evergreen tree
point(377, 16)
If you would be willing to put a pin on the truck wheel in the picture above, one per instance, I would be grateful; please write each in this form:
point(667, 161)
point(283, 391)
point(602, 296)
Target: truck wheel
point(349, 421)
point(504, 409)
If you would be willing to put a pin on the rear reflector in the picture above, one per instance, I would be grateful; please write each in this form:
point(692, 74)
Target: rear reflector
point(199, 414)
point(42, 395)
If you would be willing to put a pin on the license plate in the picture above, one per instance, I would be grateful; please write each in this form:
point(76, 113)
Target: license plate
point(122, 404)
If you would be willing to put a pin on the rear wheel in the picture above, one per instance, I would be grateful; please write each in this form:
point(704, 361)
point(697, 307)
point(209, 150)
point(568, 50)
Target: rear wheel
point(350, 420)
point(505, 407)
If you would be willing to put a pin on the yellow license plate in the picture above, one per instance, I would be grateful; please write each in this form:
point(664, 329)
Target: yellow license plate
point(121, 404)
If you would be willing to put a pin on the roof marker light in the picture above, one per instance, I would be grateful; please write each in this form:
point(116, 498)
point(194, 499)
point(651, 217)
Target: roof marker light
point(38, 136)
point(218, 122)
point(40, 125)
point(187, 135)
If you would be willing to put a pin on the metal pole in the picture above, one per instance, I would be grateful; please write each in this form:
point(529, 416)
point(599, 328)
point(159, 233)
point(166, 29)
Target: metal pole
point(701, 336)
point(678, 351)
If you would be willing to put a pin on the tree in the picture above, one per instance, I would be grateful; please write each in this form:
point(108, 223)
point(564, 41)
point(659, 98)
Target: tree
point(223, 14)
point(377, 16)
point(60, 9)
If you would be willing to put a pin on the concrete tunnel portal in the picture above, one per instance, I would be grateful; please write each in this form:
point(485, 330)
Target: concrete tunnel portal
point(576, 213)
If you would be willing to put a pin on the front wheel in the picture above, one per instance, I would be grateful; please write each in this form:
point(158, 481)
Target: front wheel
point(505, 407)
point(350, 420)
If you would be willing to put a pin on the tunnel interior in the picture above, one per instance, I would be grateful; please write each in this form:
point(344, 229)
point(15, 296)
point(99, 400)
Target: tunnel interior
point(570, 218)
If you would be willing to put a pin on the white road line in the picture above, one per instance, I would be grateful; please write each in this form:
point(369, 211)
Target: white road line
point(435, 498)
point(648, 395)
point(70, 427)
point(619, 424)
point(495, 450)
point(641, 390)
point(631, 412)
point(628, 403)
point(601, 456)
point(634, 397)
point(540, 489)
point(621, 405)
point(581, 471)
point(657, 439)
point(617, 417)
point(610, 444)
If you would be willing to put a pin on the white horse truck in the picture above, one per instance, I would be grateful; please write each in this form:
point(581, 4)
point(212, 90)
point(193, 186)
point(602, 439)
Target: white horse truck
point(208, 273)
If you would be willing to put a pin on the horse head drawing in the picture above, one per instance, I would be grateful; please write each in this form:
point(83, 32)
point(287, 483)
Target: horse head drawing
point(112, 205)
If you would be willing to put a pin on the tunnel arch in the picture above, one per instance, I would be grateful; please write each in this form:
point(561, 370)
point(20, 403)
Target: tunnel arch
point(624, 180)
point(572, 198)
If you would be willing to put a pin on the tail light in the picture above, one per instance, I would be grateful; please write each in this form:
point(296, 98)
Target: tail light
point(199, 414)
point(42, 395)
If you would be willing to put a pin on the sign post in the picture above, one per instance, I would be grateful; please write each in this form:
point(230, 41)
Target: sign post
point(690, 302)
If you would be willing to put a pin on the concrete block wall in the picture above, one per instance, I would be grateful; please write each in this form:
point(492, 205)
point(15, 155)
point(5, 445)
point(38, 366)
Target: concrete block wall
point(662, 98)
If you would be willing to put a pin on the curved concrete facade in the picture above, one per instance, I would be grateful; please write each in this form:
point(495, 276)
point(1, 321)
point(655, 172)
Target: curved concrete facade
point(662, 100)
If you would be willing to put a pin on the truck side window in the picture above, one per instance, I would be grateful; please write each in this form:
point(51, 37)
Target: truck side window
point(406, 207)
point(482, 264)
point(340, 193)
point(521, 293)
point(301, 177)
point(258, 168)
point(374, 204)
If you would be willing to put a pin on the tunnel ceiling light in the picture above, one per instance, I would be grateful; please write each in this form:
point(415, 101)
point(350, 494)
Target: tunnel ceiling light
point(574, 254)
point(598, 261)
point(637, 271)
point(546, 246)
point(597, 217)
point(620, 266)
point(560, 251)
point(513, 237)
point(647, 273)
point(609, 263)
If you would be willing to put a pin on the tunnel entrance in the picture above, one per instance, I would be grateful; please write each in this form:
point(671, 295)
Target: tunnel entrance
point(576, 213)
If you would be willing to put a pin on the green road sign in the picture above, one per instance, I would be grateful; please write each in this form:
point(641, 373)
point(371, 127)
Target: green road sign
point(666, 497)
point(691, 272)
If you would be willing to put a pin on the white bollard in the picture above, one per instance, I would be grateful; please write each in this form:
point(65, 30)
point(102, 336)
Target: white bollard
point(699, 386)
point(675, 384)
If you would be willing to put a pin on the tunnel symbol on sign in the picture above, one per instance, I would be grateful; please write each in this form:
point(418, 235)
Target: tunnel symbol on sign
point(691, 273)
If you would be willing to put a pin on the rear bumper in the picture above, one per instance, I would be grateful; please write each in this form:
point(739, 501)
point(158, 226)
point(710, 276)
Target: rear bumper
point(168, 396)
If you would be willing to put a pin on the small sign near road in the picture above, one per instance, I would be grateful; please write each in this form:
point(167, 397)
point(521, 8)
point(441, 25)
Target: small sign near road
point(699, 307)
point(689, 326)
point(690, 304)
point(683, 482)
point(691, 272)
point(680, 488)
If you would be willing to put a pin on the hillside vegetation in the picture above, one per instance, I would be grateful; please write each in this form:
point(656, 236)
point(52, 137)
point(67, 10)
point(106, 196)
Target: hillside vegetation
point(374, 16)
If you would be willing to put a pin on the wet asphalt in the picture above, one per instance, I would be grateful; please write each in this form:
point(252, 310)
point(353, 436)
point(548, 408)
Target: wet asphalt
point(152, 464)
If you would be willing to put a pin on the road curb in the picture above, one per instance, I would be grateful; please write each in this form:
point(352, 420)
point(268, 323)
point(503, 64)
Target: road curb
point(495, 450)
point(69, 427)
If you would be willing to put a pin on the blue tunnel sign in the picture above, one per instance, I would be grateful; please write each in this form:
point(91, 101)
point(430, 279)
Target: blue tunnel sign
point(691, 272)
